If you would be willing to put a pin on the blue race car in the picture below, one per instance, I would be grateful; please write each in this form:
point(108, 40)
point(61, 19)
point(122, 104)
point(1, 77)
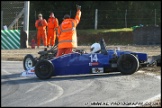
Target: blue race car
point(99, 60)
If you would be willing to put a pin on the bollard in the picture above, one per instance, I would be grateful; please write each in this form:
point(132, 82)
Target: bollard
point(33, 44)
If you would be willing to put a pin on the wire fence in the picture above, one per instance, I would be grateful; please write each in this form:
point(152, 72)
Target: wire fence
point(9, 11)
point(106, 19)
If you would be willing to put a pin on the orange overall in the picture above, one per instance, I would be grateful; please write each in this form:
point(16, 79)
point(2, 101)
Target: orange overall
point(41, 31)
point(67, 36)
point(52, 25)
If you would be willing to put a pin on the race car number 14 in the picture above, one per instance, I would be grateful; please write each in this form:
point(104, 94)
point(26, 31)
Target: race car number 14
point(93, 58)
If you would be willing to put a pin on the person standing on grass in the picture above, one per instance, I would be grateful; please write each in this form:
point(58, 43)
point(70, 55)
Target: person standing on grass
point(41, 25)
point(51, 31)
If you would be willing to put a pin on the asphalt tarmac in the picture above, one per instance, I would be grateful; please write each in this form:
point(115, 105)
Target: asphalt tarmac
point(106, 90)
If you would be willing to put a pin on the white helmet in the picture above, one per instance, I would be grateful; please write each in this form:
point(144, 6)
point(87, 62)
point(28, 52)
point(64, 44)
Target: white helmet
point(95, 48)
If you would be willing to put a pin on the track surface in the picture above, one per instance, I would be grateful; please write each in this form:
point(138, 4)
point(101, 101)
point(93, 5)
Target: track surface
point(112, 89)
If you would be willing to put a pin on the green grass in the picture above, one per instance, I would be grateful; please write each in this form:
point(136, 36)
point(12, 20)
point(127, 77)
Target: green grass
point(92, 31)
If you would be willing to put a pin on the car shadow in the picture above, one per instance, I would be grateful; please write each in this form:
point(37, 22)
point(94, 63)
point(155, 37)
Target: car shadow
point(24, 80)
point(10, 76)
point(84, 76)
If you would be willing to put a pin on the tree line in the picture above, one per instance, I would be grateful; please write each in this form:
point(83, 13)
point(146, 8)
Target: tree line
point(111, 14)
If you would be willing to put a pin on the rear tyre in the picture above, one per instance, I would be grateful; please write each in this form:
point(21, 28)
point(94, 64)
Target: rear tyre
point(44, 69)
point(29, 61)
point(127, 64)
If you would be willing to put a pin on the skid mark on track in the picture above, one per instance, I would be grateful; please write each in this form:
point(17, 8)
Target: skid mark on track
point(152, 98)
point(10, 61)
point(79, 90)
point(157, 96)
point(14, 88)
point(60, 92)
point(33, 88)
point(3, 70)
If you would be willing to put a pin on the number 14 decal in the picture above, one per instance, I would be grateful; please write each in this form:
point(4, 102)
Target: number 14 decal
point(94, 57)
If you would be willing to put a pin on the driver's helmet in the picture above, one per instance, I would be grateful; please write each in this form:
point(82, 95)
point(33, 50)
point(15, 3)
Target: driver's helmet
point(95, 48)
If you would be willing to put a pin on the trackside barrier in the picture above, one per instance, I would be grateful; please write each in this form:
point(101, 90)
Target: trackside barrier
point(10, 39)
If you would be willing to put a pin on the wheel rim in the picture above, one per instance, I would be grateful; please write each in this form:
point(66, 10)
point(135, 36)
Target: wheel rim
point(28, 63)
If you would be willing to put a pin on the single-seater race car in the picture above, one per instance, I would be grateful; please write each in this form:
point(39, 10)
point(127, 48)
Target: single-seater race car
point(30, 61)
point(99, 60)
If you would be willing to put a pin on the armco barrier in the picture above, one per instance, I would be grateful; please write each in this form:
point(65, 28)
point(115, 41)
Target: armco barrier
point(10, 39)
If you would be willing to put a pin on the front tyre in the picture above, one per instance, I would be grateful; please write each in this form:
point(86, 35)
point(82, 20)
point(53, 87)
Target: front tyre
point(44, 69)
point(127, 64)
point(29, 61)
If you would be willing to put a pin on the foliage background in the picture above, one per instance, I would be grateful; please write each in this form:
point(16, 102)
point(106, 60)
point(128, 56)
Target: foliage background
point(111, 14)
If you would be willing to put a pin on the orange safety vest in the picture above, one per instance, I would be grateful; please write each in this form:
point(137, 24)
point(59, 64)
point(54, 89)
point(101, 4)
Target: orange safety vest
point(52, 23)
point(67, 35)
point(43, 22)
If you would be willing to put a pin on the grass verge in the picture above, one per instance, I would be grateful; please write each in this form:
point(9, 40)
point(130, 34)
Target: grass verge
point(92, 31)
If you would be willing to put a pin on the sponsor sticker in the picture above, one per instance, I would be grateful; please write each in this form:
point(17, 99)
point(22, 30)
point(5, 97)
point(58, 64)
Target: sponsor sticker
point(93, 64)
point(30, 71)
point(97, 70)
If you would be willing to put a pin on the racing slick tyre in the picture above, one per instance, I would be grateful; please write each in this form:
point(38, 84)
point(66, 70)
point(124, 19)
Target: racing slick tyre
point(44, 69)
point(127, 64)
point(29, 61)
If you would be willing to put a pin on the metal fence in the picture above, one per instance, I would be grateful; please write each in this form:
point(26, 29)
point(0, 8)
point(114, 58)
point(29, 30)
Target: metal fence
point(107, 19)
point(9, 11)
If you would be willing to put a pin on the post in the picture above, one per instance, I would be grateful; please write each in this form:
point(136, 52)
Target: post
point(26, 19)
point(16, 25)
point(155, 17)
point(35, 15)
point(126, 18)
point(70, 13)
point(1, 20)
point(96, 20)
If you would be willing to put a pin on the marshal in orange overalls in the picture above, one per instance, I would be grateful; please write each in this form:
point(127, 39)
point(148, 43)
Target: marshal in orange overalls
point(52, 25)
point(67, 36)
point(41, 25)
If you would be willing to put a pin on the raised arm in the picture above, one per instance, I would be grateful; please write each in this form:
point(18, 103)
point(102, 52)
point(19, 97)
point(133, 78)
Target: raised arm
point(78, 14)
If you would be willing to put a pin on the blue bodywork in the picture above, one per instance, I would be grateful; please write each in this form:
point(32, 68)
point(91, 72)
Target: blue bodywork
point(76, 63)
